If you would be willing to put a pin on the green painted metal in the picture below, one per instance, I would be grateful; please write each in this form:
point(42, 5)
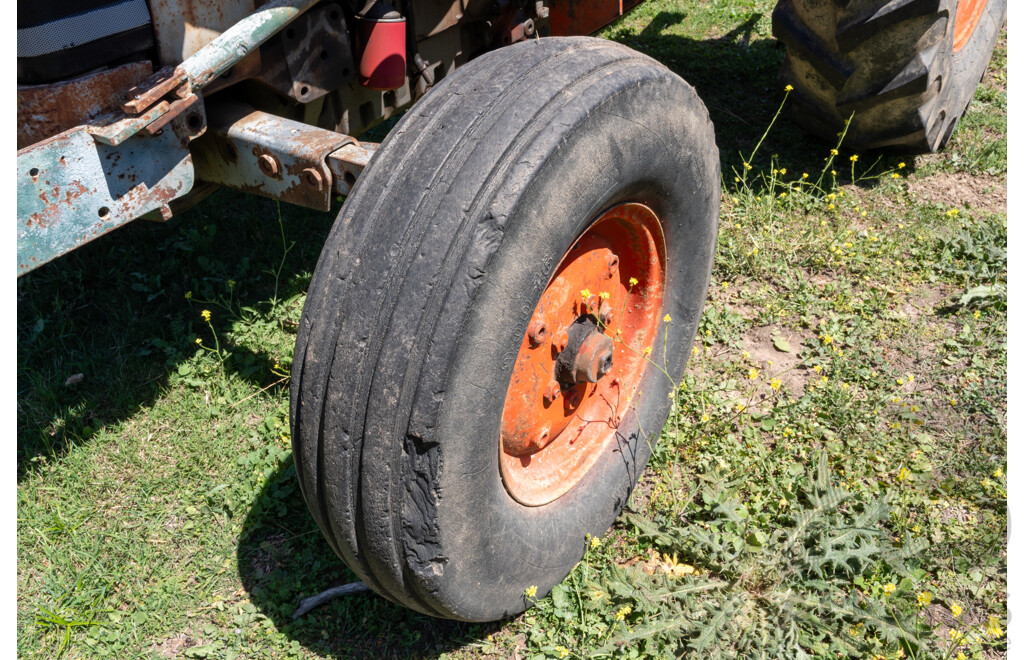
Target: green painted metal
point(91, 179)
point(72, 189)
point(240, 39)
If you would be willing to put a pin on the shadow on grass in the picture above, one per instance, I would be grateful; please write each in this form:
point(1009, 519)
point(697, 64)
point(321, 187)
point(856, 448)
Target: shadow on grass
point(115, 312)
point(283, 558)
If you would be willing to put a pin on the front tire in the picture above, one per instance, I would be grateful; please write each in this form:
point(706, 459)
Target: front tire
point(423, 299)
point(905, 70)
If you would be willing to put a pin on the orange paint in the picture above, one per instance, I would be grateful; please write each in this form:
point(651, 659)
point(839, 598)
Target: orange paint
point(550, 442)
point(968, 15)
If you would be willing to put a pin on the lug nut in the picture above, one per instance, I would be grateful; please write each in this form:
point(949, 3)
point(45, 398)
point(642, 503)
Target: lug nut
point(268, 165)
point(537, 333)
point(560, 341)
point(613, 266)
point(551, 393)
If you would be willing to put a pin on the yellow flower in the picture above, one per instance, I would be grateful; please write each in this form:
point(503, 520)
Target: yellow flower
point(831, 207)
point(694, 350)
point(834, 173)
point(960, 656)
point(804, 175)
point(647, 351)
point(825, 339)
point(604, 295)
point(977, 314)
point(910, 378)
point(956, 610)
point(199, 340)
point(846, 386)
point(704, 417)
point(621, 614)
point(740, 407)
point(782, 171)
point(924, 598)
point(817, 368)
point(531, 591)
point(595, 542)
point(835, 152)
point(752, 374)
point(788, 88)
point(632, 281)
point(956, 636)
point(998, 473)
point(953, 212)
point(667, 318)
point(895, 176)
point(775, 384)
point(205, 314)
point(787, 432)
point(992, 627)
point(188, 295)
point(725, 285)
point(231, 284)
point(748, 166)
point(853, 158)
point(904, 474)
point(952, 402)
point(901, 165)
point(899, 381)
point(889, 589)
point(584, 293)
point(783, 502)
point(562, 651)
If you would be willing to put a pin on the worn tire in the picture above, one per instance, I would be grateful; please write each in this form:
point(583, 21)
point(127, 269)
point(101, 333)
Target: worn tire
point(891, 64)
point(422, 296)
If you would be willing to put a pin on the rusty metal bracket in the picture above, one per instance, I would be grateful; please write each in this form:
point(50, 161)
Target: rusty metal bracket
point(72, 188)
point(267, 155)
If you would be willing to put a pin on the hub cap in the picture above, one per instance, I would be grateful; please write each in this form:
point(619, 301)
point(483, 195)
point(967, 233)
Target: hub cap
point(968, 15)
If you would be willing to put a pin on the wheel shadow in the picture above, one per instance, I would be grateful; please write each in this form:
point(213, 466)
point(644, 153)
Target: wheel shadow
point(283, 558)
point(101, 328)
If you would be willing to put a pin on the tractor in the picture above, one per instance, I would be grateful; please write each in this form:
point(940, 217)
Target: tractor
point(473, 391)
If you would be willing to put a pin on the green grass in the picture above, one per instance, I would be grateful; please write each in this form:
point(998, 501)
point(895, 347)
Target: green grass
point(159, 514)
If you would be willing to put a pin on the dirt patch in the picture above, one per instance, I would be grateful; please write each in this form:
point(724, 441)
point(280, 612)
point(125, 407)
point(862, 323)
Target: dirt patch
point(175, 647)
point(925, 301)
point(987, 193)
point(760, 343)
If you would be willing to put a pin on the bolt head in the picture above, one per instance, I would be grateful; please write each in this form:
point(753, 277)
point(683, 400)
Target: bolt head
point(313, 179)
point(560, 341)
point(551, 393)
point(613, 266)
point(537, 333)
point(606, 314)
point(268, 165)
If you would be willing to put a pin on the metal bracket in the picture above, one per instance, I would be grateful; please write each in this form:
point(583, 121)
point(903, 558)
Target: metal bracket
point(267, 155)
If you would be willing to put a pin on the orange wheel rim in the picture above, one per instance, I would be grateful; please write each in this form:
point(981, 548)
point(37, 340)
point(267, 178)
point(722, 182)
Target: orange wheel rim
point(968, 15)
point(611, 283)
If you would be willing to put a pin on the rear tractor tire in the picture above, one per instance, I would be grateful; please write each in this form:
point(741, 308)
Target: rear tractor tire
point(904, 69)
point(471, 394)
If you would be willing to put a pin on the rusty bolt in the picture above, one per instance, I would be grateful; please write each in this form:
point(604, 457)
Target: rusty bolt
point(269, 165)
point(606, 314)
point(313, 179)
point(594, 358)
point(543, 438)
point(592, 303)
point(560, 341)
point(537, 333)
point(613, 265)
point(575, 398)
point(551, 393)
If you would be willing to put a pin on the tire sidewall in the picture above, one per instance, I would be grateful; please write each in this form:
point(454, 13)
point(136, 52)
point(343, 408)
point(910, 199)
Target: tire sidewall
point(652, 143)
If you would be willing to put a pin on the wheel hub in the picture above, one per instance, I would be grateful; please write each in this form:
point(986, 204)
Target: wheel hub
point(582, 357)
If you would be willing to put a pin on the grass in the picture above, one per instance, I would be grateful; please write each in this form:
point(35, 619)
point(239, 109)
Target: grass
point(857, 351)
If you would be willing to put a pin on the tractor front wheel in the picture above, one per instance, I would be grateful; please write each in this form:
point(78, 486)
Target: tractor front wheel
point(484, 358)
